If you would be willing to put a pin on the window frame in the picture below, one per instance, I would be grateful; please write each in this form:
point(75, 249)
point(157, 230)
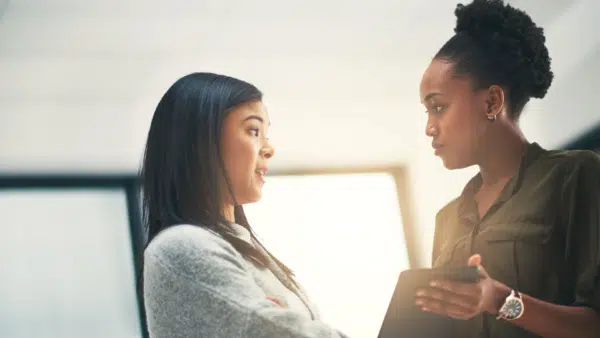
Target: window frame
point(130, 185)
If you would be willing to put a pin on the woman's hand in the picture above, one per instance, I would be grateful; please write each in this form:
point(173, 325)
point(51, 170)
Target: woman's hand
point(461, 300)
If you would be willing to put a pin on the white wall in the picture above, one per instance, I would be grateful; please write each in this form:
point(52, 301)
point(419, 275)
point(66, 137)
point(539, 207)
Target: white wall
point(568, 109)
point(432, 186)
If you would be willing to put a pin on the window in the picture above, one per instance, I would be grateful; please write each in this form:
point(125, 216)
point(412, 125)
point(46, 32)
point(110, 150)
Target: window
point(342, 235)
point(66, 264)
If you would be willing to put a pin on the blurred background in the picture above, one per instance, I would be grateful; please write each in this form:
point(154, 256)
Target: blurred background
point(354, 182)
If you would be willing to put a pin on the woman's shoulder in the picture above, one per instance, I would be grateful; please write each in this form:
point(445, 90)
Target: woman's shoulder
point(182, 245)
point(183, 237)
point(572, 159)
point(451, 208)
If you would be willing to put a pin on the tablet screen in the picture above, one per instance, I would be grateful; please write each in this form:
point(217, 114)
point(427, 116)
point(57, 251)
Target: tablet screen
point(404, 319)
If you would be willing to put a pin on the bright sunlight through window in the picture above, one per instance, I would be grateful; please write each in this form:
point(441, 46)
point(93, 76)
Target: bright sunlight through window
point(342, 235)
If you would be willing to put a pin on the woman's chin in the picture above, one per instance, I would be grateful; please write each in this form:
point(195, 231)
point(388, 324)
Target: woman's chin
point(253, 198)
point(453, 164)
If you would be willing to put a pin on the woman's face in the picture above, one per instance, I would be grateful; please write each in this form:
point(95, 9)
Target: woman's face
point(246, 151)
point(456, 115)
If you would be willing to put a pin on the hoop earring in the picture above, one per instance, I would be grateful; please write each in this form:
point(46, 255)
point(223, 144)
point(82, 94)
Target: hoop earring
point(490, 116)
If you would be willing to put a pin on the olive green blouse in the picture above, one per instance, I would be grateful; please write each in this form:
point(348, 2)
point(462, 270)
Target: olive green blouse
point(540, 237)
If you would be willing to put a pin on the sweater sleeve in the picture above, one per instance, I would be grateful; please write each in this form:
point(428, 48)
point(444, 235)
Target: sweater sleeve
point(197, 285)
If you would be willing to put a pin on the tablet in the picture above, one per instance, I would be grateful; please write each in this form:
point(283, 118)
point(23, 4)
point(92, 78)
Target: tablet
point(404, 319)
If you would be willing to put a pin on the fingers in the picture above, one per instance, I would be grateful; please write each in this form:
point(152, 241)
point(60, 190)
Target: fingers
point(474, 260)
point(456, 300)
point(471, 290)
point(446, 309)
point(437, 295)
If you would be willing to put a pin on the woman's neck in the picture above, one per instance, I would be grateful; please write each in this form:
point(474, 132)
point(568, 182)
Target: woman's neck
point(229, 212)
point(502, 157)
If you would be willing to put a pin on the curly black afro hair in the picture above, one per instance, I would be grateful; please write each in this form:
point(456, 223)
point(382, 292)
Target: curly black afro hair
point(496, 43)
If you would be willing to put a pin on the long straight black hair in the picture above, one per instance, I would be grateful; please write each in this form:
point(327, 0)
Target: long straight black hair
point(183, 168)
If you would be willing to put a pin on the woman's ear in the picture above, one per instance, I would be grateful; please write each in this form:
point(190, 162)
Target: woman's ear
point(495, 101)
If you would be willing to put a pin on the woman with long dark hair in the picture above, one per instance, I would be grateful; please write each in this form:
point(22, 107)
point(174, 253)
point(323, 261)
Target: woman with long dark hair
point(205, 273)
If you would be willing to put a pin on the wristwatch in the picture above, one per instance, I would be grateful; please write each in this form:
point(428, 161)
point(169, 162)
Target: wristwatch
point(512, 308)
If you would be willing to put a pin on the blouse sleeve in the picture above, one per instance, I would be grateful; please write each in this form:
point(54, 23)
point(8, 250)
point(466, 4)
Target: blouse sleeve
point(582, 219)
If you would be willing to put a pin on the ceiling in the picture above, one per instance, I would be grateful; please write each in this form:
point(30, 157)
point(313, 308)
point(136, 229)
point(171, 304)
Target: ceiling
point(80, 79)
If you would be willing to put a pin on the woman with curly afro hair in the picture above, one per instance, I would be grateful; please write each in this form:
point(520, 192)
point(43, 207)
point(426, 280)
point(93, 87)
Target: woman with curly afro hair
point(530, 219)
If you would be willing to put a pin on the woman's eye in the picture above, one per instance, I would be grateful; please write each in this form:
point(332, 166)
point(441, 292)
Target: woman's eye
point(255, 132)
point(435, 109)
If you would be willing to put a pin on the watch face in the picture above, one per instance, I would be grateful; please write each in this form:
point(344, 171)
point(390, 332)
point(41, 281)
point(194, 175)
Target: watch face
point(512, 309)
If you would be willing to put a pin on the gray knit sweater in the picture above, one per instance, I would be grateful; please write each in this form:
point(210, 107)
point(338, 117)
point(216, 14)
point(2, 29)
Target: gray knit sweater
point(197, 285)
